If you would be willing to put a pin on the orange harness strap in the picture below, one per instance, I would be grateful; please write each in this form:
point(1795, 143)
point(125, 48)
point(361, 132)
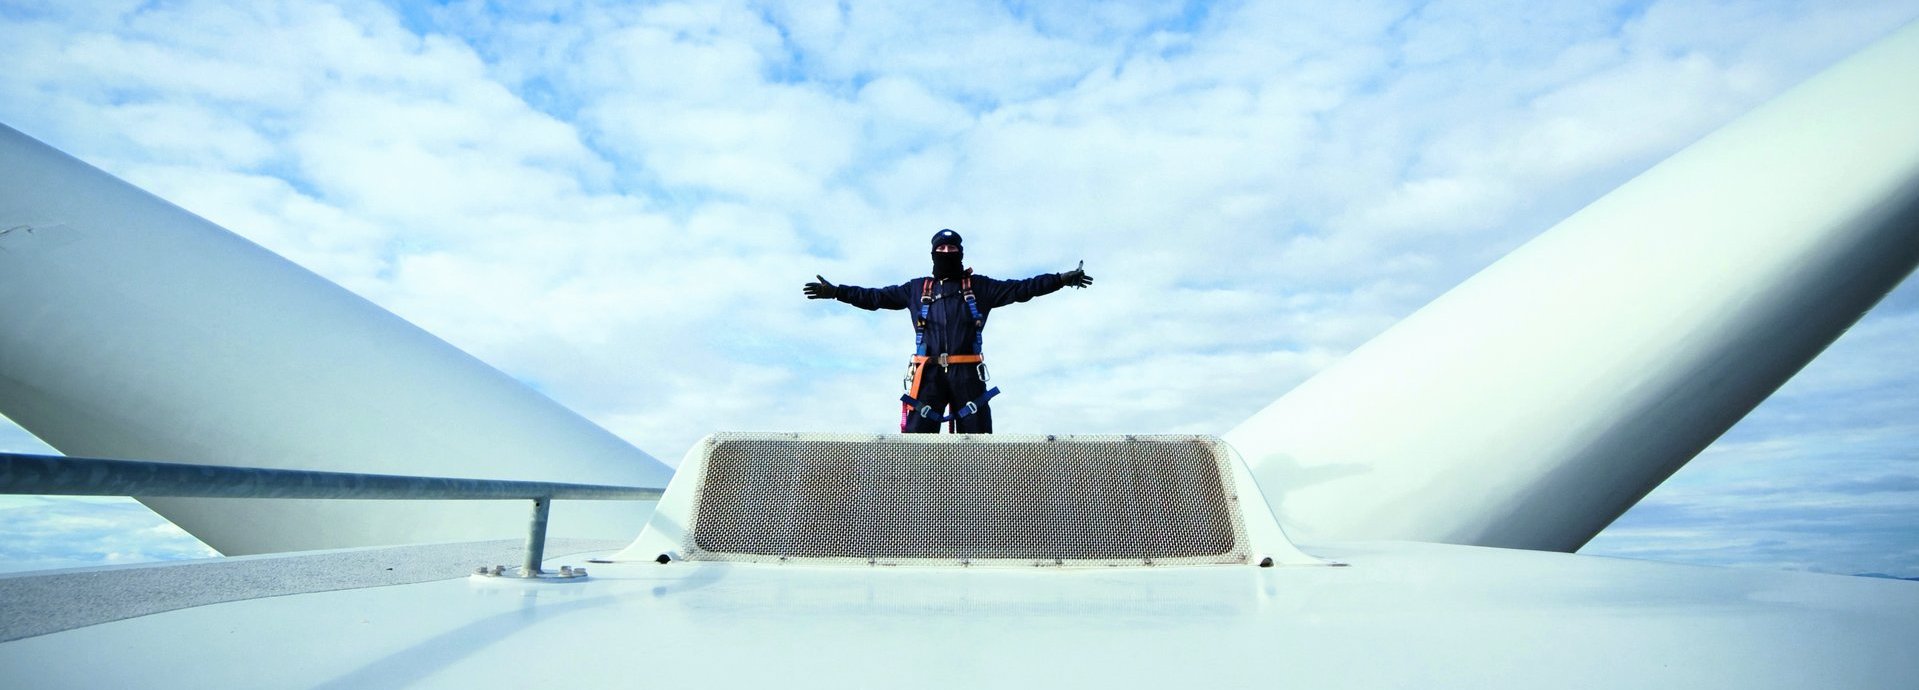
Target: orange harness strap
point(944, 360)
point(919, 369)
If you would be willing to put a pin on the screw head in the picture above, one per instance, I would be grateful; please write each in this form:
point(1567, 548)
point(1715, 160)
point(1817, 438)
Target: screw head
point(663, 559)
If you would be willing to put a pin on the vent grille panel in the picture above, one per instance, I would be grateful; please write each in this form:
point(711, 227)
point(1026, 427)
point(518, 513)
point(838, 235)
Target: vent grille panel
point(766, 497)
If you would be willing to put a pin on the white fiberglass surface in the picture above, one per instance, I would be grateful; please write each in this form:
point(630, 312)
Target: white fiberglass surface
point(1402, 615)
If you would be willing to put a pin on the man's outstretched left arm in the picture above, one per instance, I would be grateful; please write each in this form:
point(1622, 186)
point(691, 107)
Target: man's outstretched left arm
point(824, 289)
point(1006, 292)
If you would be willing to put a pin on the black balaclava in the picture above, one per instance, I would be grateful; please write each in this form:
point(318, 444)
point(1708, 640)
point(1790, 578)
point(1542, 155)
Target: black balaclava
point(948, 264)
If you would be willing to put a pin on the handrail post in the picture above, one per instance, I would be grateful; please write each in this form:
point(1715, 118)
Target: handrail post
point(536, 539)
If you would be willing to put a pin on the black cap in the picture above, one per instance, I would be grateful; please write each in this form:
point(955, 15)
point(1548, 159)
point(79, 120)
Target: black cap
point(946, 237)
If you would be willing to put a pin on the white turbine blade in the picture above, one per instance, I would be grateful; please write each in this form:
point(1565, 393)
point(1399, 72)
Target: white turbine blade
point(1537, 401)
point(133, 329)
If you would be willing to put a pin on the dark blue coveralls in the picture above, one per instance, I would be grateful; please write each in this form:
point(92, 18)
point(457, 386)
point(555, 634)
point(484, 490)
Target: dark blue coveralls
point(950, 330)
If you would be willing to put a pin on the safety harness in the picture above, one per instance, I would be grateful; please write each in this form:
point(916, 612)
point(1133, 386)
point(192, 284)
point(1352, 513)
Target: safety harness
point(909, 401)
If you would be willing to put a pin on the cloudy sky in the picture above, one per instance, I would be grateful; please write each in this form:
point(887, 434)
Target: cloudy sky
point(617, 204)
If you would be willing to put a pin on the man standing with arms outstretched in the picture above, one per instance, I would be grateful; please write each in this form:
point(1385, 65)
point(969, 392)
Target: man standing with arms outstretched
point(947, 381)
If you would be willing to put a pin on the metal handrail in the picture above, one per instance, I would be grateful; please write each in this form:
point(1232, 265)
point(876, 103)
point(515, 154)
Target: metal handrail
point(63, 476)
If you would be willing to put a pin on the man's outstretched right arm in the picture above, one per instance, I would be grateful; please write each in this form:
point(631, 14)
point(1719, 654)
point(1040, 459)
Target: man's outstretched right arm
point(895, 297)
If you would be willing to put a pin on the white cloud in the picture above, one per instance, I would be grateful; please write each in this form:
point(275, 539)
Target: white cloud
point(976, 50)
point(71, 532)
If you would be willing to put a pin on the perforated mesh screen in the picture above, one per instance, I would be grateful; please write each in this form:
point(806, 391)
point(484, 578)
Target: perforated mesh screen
point(1032, 499)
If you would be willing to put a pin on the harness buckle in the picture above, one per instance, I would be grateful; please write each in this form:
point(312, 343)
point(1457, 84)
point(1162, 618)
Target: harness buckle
point(942, 361)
